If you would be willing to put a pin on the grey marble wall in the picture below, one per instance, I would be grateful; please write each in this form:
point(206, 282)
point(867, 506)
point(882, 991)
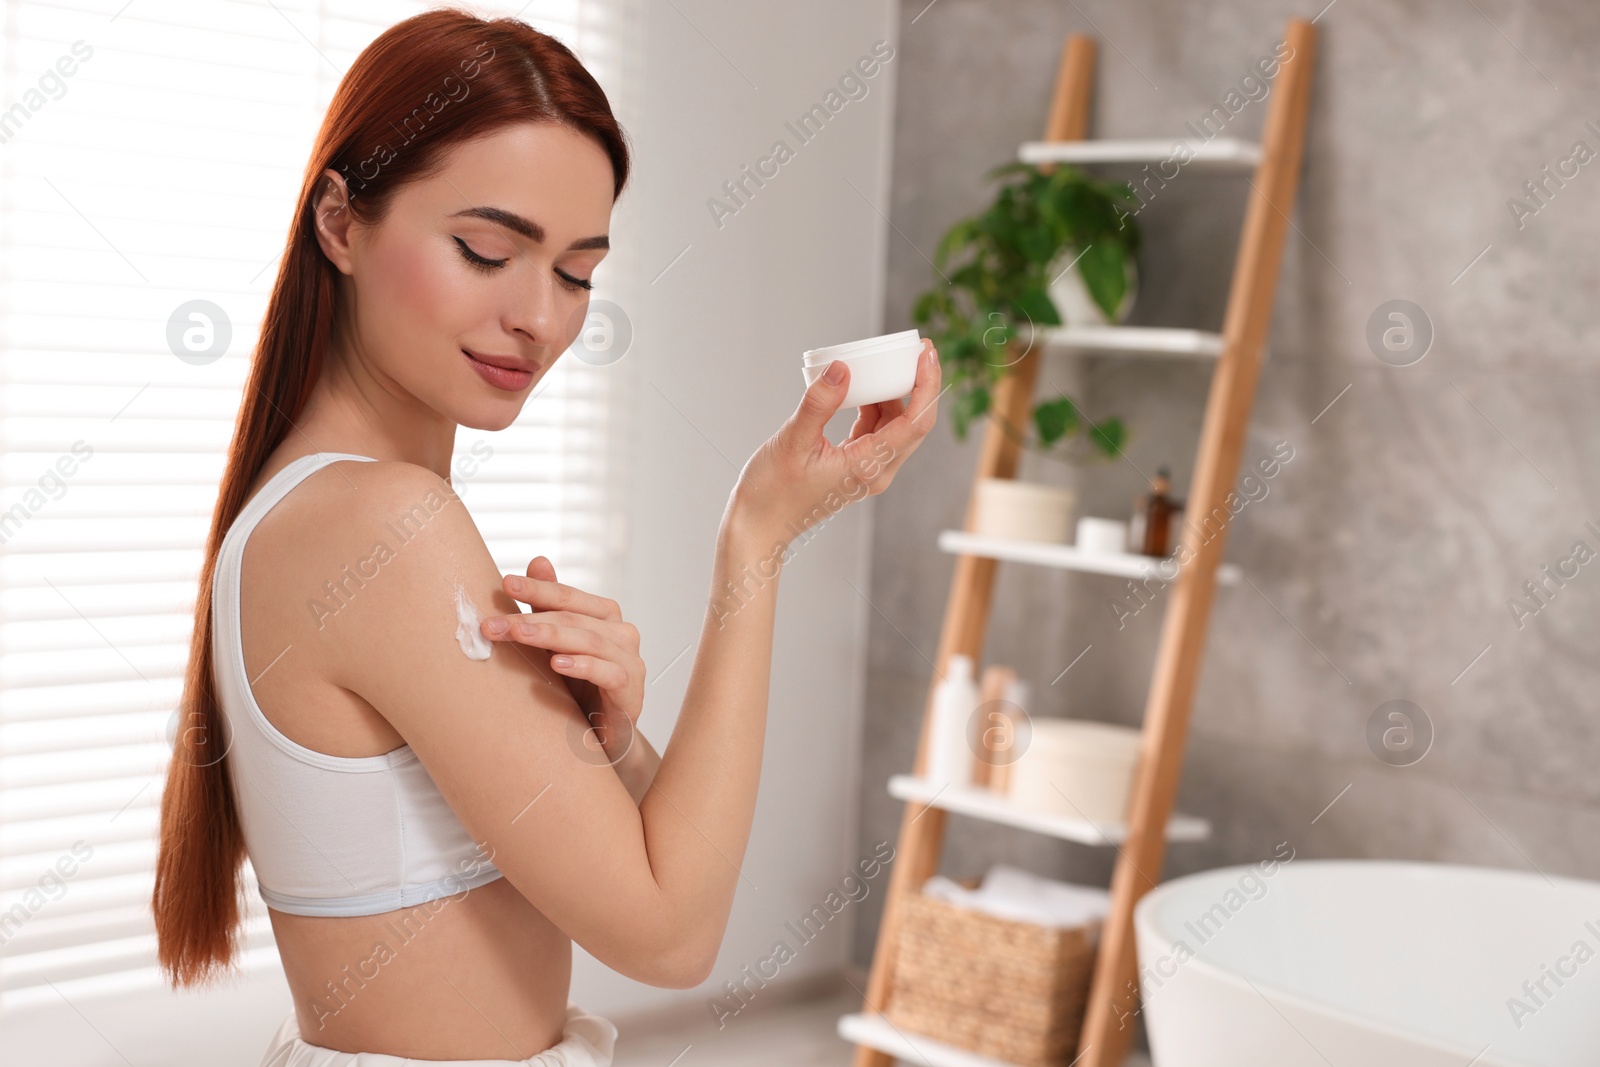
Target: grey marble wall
point(1384, 558)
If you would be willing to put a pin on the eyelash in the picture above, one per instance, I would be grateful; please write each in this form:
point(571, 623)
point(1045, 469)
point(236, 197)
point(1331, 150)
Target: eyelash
point(487, 265)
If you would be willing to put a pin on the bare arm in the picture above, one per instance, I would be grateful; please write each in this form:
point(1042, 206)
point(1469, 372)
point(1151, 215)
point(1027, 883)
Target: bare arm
point(704, 792)
point(637, 768)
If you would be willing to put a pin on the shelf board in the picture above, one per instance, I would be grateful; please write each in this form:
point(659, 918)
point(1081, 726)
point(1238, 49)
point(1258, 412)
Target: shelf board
point(1221, 152)
point(1050, 554)
point(982, 803)
point(1135, 340)
point(874, 1031)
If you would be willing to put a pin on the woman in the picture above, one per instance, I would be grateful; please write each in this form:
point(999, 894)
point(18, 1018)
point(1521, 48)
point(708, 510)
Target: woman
point(409, 775)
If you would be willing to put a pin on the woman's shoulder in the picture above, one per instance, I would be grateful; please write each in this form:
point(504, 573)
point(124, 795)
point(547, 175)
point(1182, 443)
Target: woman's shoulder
point(339, 562)
point(348, 494)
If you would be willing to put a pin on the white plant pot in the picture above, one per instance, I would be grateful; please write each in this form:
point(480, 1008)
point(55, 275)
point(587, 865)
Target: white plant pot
point(1071, 297)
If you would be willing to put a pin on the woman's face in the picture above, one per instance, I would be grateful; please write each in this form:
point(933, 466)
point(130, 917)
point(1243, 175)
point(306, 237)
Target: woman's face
point(490, 257)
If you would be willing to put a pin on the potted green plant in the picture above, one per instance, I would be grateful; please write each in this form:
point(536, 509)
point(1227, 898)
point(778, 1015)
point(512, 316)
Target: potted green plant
point(998, 266)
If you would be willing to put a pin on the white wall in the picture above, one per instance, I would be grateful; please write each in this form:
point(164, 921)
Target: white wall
point(716, 369)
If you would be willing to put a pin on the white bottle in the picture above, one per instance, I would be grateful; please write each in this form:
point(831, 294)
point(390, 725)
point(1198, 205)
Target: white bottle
point(949, 756)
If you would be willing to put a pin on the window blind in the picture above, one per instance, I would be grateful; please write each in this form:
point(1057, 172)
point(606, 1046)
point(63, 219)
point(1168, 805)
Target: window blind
point(150, 154)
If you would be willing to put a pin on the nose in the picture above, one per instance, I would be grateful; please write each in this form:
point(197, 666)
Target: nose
point(537, 312)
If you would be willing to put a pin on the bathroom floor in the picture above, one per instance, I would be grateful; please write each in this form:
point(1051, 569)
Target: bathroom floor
point(798, 1033)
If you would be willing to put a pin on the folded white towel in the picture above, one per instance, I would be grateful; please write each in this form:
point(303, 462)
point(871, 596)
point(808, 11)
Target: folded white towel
point(1013, 893)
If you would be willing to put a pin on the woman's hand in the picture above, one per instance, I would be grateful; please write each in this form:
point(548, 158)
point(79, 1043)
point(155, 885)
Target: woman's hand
point(596, 652)
point(798, 477)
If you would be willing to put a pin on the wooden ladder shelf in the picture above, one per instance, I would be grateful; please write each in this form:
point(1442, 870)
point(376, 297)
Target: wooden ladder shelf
point(1275, 164)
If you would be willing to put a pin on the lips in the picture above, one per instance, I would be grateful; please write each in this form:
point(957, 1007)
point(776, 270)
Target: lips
point(503, 372)
point(507, 362)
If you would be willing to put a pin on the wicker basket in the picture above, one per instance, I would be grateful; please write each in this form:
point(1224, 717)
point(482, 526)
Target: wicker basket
point(1014, 991)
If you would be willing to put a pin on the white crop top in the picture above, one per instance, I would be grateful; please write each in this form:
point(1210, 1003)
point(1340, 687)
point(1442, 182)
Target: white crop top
point(327, 835)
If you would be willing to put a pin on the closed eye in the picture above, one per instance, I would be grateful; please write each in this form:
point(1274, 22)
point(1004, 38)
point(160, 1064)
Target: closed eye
point(481, 262)
point(485, 264)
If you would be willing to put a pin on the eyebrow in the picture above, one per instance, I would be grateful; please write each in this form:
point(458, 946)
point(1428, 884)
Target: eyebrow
point(528, 228)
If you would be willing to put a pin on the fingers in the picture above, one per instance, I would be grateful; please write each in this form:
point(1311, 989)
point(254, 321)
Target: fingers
point(922, 406)
point(903, 432)
point(562, 631)
point(551, 594)
point(870, 417)
point(821, 401)
point(604, 653)
point(566, 631)
point(602, 672)
point(541, 568)
point(913, 417)
point(874, 416)
point(924, 399)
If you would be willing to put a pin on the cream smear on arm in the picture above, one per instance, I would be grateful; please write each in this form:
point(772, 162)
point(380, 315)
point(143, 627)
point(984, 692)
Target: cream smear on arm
point(468, 627)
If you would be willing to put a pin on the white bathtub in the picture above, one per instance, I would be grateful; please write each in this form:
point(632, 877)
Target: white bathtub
point(1370, 964)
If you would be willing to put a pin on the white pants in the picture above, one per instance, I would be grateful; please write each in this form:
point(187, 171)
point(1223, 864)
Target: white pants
point(586, 1041)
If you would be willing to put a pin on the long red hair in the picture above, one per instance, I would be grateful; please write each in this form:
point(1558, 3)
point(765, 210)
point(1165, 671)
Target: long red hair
point(422, 86)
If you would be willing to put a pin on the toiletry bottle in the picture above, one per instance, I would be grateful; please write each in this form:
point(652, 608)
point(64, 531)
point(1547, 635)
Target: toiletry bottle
point(1136, 526)
point(1002, 742)
point(935, 764)
point(964, 701)
point(1155, 514)
point(949, 757)
point(989, 732)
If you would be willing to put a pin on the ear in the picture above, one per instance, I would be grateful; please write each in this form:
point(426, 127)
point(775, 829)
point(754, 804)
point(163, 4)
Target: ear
point(331, 218)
